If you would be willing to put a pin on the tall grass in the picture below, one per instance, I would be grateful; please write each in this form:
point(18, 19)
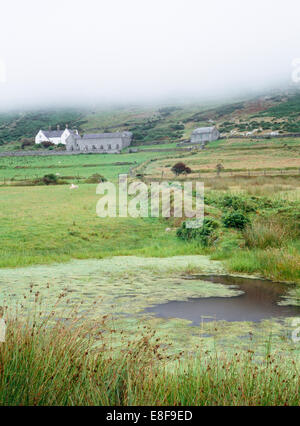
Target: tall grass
point(279, 264)
point(263, 233)
point(46, 363)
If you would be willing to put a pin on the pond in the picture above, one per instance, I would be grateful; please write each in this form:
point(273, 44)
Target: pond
point(259, 300)
point(158, 293)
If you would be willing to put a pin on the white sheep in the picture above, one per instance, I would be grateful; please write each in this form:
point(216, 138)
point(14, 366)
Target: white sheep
point(73, 186)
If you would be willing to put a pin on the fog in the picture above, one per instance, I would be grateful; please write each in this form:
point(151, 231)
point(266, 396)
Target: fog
point(75, 52)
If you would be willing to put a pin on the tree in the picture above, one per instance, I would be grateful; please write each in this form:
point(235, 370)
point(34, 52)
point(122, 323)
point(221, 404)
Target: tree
point(180, 168)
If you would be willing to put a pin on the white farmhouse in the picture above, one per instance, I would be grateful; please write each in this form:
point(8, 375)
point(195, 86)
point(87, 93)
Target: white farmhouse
point(55, 136)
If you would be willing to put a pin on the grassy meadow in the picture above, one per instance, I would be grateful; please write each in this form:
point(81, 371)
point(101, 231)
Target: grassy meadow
point(55, 224)
point(73, 167)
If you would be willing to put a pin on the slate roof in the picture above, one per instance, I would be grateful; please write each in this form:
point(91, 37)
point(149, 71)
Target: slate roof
point(106, 135)
point(53, 133)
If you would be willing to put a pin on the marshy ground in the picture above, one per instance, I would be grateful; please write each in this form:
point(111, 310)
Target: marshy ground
point(137, 292)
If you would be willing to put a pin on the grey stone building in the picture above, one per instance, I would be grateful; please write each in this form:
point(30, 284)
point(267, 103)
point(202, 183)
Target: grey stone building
point(202, 135)
point(111, 143)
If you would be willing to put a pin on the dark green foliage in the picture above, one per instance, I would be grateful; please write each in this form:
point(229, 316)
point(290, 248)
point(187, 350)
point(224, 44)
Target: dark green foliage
point(180, 168)
point(203, 235)
point(50, 179)
point(292, 127)
point(238, 203)
point(244, 203)
point(177, 126)
point(235, 219)
point(149, 132)
point(284, 109)
point(15, 126)
point(96, 178)
point(47, 144)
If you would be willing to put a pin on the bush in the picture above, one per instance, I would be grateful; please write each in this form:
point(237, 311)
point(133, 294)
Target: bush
point(243, 203)
point(205, 234)
point(47, 144)
point(239, 203)
point(180, 168)
point(96, 178)
point(61, 147)
point(235, 219)
point(50, 179)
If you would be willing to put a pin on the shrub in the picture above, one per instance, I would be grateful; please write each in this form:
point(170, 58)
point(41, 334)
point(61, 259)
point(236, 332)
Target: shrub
point(204, 234)
point(180, 168)
point(235, 219)
point(239, 203)
point(61, 147)
point(50, 179)
point(46, 144)
point(96, 178)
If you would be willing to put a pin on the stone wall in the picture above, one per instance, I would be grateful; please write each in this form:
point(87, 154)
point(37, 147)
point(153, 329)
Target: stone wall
point(39, 153)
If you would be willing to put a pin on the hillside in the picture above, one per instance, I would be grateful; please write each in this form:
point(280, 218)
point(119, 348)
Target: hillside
point(169, 123)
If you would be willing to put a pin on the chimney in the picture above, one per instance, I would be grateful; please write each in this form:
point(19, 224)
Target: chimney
point(58, 127)
point(49, 128)
point(67, 126)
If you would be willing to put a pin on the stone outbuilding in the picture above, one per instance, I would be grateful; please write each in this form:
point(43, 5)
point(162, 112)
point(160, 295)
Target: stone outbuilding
point(203, 135)
point(111, 143)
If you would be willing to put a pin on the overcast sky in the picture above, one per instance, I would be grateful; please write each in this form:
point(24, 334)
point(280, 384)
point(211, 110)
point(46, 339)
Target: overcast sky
point(70, 51)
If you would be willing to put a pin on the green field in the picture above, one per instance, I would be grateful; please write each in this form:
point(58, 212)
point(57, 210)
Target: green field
point(82, 166)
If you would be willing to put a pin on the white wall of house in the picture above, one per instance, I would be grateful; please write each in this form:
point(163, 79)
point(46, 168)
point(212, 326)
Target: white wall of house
point(40, 137)
point(65, 135)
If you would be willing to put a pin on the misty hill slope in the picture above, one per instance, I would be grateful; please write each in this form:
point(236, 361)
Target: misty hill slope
point(159, 123)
